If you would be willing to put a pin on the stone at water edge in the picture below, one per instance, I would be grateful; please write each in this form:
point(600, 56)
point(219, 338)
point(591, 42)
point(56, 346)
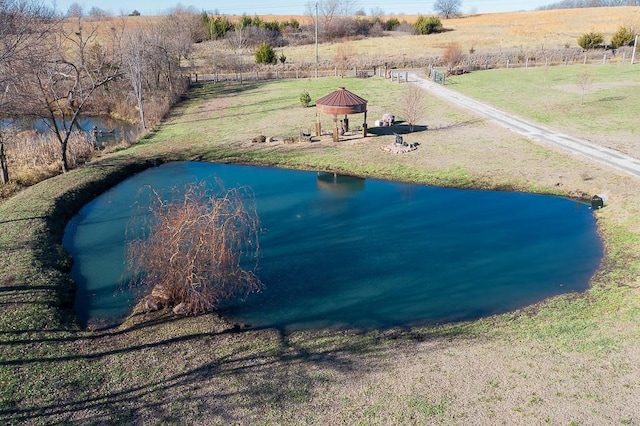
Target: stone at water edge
point(180, 309)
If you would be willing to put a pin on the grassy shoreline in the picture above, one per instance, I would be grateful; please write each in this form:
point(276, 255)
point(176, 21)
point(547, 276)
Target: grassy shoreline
point(167, 369)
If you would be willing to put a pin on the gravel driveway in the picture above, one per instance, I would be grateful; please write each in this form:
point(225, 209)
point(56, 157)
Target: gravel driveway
point(531, 130)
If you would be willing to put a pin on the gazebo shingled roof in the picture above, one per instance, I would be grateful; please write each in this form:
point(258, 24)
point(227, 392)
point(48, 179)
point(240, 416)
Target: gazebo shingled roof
point(341, 101)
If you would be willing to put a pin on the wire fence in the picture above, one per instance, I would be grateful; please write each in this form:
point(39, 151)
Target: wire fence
point(396, 70)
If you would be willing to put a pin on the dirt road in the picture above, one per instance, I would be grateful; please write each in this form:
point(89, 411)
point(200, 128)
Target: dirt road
point(531, 130)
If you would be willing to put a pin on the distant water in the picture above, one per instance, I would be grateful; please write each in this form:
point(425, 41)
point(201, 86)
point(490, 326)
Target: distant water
point(338, 251)
point(109, 130)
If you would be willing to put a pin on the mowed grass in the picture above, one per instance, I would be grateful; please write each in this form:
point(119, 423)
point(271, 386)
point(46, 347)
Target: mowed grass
point(550, 94)
point(570, 359)
point(595, 101)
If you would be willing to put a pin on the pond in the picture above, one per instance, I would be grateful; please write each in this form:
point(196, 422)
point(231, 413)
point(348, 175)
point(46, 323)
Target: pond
point(109, 130)
point(340, 251)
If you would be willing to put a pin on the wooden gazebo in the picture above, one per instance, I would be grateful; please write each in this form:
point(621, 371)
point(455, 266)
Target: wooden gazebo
point(341, 102)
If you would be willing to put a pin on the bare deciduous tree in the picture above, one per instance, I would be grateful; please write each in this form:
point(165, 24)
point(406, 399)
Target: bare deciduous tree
point(447, 8)
point(348, 7)
point(327, 11)
point(342, 57)
point(23, 24)
point(376, 12)
point(4, 166)
point(412, 105)
point(195, 250)
point(584, 80)
point(67, 78)
point(135, 60)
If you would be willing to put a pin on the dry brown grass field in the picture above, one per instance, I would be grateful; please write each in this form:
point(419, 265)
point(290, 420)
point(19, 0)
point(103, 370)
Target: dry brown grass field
point(489, 33)
point(553, 29)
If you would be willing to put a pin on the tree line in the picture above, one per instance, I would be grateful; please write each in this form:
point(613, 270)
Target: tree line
point(57, 69)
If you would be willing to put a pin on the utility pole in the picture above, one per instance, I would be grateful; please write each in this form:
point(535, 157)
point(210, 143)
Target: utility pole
point(317, 40)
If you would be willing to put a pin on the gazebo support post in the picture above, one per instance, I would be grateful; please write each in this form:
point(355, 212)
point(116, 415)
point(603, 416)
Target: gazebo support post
point(364, 126)
point(318, 125)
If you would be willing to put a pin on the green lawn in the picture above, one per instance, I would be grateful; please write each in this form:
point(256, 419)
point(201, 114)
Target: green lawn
point(554, 95)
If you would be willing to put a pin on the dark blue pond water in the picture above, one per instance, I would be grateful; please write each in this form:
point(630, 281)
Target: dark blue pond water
point(340, 251)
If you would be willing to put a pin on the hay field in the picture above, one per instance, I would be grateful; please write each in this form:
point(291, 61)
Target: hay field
point(552, 29)
point(492, 32)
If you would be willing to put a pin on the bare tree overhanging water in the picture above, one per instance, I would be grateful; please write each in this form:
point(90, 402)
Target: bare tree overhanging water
point(193, 256)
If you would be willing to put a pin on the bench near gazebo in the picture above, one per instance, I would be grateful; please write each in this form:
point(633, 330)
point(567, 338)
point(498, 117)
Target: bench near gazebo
point(341, 102)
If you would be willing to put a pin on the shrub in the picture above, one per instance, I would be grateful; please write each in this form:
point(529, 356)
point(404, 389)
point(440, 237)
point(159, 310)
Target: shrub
point(193, 250)
point(265, 54)
point(305, 99)
point(428, 25)
point(623, 37)
point(452, 56)
point(590, 40)
point(391, 24)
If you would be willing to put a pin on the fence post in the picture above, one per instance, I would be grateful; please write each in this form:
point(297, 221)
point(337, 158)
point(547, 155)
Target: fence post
point(604, 59)
point(585, 59)
point(507, 64)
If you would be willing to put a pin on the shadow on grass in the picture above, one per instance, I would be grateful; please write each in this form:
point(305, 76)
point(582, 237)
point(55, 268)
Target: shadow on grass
point(22, 219)
point(241, 117)
point(401, 129)
point(461, 124)
point(228, 375)
point(206, 90)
